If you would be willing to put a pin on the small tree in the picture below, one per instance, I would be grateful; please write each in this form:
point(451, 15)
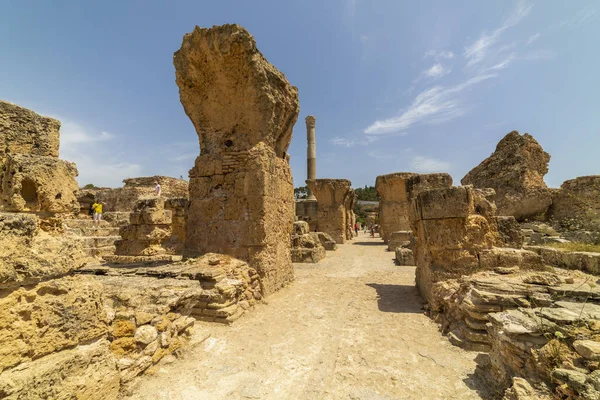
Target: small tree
point(300, 192)
point(90, 186)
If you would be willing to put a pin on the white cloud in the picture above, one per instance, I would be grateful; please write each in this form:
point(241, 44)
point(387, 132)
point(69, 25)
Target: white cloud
point(582, 17)
point(346, 142)
point(532, 38)
point(503, 64)
point(94, 154)
point(434, 105)
point(440, 55)
point(364, 38)
point(477, 51)
point(436, 71)
point(427, 164)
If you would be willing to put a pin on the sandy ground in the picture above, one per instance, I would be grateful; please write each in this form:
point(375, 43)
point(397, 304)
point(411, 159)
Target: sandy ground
point(350, 327)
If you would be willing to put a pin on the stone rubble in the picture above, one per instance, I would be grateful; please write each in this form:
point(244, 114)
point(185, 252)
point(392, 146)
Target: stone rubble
point(306, 245)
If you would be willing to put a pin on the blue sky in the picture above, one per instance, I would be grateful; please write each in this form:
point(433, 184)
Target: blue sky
point(395, 85)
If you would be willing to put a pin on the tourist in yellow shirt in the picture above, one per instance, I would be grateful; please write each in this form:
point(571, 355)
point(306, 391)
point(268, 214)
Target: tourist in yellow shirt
point(97, 207)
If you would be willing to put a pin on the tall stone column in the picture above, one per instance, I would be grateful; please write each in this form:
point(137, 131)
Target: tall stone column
point(311, 153)
point(241, 189)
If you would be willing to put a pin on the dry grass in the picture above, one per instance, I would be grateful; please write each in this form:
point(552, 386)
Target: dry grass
point(595, 248)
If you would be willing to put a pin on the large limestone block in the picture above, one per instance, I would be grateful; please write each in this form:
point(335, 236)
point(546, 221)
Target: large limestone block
point(516, 172)
point(334, 197)
point(233, 96)
point(23, 131)
point(29, 255)
point(39, 184)
point(397, 191)
point(51, 316)
point(576, 205)
point(84, 372)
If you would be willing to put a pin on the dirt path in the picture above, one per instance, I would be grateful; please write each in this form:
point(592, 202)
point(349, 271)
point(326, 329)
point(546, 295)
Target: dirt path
point(350, 327)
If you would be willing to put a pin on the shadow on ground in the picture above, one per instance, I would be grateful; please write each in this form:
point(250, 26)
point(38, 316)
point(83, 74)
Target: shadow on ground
point(478, 382)
point(369, 243)
point(398, 298)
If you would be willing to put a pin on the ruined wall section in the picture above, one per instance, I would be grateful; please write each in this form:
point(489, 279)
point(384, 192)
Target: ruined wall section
point(32, 178)
point(576, 205)
point(241, 190)
point(516, 172)
point(397, 191)
point(334, 196)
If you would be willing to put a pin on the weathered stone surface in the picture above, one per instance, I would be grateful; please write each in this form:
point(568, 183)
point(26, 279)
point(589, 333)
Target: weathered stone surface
point(516, 172)
point(400, 239)
point(301, 228)
point(509, 232)
point(307, 247)
point(404, 256)
point(241, 189)
point(68, 311)
point(334, 197)
point(23, 131)
point(588, 349)
point(576, 205)
point(39, 184)
point(146, 334)
point(397, 191)
point(29, 255)
point(327, 241)
point(84, 372)
point(578, 260)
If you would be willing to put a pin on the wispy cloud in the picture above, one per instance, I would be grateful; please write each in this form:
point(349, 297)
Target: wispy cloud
point(436, 71)
point(439, 54)
point(434, 105)
point(532, 39)
point(504, 63)
point(94, 154)
point(427, 164)
point(351, 142)
point(477, 51)
point(582, 17)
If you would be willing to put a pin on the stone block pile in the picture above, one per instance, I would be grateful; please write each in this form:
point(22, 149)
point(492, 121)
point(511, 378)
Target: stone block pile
point(306, 245)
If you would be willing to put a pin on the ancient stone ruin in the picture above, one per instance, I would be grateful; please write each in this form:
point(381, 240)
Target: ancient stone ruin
point(124, 199)
point(397, 191)
point(306, 245)
point(516, 172)
point(241, 190)
point(336, 202)
point(32, 177)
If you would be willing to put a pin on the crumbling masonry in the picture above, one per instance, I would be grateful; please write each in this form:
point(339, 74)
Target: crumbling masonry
point(336, 200)
point(241, 190)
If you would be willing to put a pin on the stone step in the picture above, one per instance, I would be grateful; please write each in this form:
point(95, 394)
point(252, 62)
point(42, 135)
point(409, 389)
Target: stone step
point(99, 251)
point(86, 223)
point(117, 217)
point(97, 241)
point(102, 231)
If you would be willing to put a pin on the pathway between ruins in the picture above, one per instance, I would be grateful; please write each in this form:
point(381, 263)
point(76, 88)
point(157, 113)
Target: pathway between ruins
point(350, 327)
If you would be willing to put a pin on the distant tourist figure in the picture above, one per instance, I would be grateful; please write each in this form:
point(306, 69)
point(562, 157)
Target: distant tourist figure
point(356, 229)
point(157, 189)
point(372, 231)
point(97, 207)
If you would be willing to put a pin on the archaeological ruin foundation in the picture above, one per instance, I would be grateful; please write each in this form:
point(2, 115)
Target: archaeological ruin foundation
point(335, 200)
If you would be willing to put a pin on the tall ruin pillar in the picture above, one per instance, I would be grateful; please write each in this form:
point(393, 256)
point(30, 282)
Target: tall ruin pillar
point(397, 191)
point(241, 189)
point(311, 152)
point(335, 197)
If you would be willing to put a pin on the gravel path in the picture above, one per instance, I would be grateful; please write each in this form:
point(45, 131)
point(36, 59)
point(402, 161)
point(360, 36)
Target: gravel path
point(350, 327)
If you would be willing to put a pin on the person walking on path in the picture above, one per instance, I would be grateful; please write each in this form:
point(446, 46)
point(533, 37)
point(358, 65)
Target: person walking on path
point(157, 189)
point(356, 228)
point(97, 208)
point(372, 231)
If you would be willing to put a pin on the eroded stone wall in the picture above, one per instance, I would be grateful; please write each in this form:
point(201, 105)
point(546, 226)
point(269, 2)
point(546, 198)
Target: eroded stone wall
point(241, 190)
point(397, 191)
point(576, 205)
point(334, 196)
point(516, 172)
point(32, 178)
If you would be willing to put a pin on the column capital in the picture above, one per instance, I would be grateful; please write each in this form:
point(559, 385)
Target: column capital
point(310, 121)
